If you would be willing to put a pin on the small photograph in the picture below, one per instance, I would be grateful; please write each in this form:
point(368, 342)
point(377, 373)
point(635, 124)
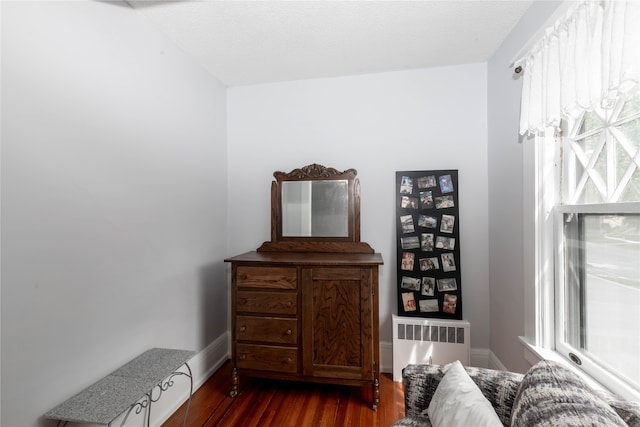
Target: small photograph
point(428, 286)
point(427, 181)
point(446, 243)
point(426, 199)
point(448, 262)
point(406, 185)
point(409, 202)
point(406, 221)
point(447, 223)
point(444, 202)
point(447, 285)
point(426, 242)
point(408, 301)
point(412, 242)
point(446, 185)
point(410, 283)
point(408, 259)
point(450, 303)
point(427, 221)
point(429, 264)
point(429, 305)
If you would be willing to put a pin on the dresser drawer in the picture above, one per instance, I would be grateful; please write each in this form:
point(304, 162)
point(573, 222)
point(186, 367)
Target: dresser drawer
point(267, 358)
point(267, 329)
point(266, 277)
point(266, 302)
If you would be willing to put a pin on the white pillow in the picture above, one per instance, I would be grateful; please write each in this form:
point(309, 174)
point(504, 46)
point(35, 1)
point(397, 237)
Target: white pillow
point(458, 401)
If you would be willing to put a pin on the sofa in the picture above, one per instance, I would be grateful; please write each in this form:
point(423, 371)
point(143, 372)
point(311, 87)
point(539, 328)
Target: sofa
point(549, 394)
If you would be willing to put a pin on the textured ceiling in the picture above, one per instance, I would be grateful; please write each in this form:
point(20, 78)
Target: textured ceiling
point(249, 42)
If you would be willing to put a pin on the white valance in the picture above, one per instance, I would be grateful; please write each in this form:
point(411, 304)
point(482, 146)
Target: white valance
point(589, 58)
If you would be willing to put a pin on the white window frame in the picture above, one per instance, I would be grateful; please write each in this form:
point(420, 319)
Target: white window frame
point(548, 264)
point(547, 175)
point(587, 365)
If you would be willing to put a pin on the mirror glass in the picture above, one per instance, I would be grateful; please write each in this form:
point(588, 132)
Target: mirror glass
point(317, 208)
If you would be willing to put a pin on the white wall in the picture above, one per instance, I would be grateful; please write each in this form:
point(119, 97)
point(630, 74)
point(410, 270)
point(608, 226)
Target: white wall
point(378, 124)
point(114, 185)
point(508, 261)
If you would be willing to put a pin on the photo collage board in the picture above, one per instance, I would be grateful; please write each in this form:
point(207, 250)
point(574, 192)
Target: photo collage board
point(428, 241)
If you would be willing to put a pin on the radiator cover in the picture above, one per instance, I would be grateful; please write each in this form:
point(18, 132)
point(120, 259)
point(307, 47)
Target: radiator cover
point(433, 341)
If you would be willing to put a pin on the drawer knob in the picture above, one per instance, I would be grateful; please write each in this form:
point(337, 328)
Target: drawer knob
point(289, 360)
point(289, 304)
point(242, 301)
point(288, 332)
point(243, 328)
point(243, 356)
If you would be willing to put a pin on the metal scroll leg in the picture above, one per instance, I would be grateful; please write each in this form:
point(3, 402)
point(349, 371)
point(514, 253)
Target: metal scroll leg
point(147, 411)
point(186, 413)
point(139, 406)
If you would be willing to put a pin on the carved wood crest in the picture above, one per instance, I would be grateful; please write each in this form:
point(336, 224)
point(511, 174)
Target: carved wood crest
point(315, 171)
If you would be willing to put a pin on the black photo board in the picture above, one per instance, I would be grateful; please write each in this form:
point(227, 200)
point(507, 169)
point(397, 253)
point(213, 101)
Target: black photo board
point(428, 242)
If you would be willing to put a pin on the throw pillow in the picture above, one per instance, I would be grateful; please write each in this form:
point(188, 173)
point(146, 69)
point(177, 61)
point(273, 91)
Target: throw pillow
point(550, 395)
point(458, 402)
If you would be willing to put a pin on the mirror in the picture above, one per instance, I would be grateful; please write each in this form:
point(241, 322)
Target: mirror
point(315, 208)
point(315, 204)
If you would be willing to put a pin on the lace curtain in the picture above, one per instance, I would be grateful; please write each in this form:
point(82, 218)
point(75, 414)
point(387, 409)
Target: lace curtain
point(589, 58)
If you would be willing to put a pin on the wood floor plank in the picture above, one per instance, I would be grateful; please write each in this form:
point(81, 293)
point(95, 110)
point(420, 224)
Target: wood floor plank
point(270, 403)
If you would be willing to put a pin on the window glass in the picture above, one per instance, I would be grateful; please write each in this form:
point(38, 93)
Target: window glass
point(590, 122)
point(632, 190)
point(602, 290)
point(630, 108)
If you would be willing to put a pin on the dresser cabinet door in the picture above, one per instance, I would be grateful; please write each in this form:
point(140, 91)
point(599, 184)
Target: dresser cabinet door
point(337, 317)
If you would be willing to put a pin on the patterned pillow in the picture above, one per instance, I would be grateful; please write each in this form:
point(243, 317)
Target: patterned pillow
point(550, 395)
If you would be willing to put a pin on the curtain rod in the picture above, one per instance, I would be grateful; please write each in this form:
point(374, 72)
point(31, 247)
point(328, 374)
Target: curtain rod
point(538, 35)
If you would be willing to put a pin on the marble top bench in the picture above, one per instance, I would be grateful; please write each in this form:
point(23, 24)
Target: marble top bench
point(130, 386)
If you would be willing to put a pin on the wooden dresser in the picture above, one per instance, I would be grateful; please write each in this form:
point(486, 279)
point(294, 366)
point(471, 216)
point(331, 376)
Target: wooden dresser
point(305, 304)
point(306, 317)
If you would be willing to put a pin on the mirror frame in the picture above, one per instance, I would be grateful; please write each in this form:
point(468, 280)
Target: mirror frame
point(316, 172)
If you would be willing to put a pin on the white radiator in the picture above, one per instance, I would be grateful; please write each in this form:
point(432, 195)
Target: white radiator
point(433, 341)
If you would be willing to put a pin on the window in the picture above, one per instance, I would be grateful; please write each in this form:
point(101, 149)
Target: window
point(597, 244)
point(582, 75)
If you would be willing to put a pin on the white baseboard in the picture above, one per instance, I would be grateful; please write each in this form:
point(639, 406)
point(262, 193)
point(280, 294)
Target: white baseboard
point(386, 357)
point(480, 357)
point(485, 358)
point(495, 363)
point(209, 360)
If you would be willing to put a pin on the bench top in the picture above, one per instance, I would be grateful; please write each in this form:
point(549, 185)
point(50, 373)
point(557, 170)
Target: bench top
point(105, 400)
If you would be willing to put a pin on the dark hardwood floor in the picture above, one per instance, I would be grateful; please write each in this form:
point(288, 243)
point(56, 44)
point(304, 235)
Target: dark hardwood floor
point(262, 402)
